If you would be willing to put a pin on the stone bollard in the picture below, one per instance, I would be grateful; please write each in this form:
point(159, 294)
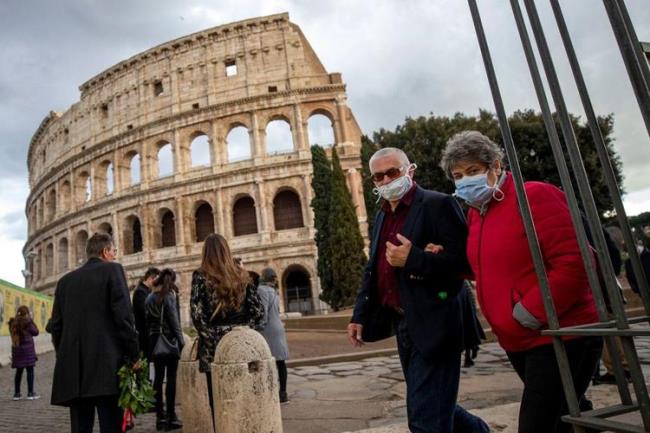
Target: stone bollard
point(192, 394)
point(245, 385)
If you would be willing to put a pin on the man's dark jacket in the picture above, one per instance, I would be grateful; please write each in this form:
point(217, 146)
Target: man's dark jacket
point(139, 297)
point(93, 332)
point(428, 283)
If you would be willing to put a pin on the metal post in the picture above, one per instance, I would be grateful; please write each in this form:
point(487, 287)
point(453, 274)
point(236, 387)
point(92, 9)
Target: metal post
point(592, 214)
point(572, 201)
point(637, 68)
point(524, 208)
point(603, 156)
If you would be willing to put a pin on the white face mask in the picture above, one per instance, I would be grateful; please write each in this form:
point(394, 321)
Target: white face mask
point(640, 248)
point(396, 189)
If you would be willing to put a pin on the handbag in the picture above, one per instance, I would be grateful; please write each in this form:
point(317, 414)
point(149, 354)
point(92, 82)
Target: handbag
point(165, 348)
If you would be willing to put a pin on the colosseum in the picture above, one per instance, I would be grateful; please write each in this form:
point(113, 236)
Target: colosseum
point(207, 133)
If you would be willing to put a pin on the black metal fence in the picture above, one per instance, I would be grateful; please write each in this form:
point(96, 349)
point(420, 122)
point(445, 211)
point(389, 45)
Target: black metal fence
point(633, 413)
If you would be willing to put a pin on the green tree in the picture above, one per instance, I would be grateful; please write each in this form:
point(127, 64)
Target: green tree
point(344, 246)
point(370, 200)
point(424, 138)
point(321, 184)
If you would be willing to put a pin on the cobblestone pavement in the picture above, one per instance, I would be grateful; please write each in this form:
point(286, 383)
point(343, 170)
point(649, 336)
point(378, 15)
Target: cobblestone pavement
point(331, 398)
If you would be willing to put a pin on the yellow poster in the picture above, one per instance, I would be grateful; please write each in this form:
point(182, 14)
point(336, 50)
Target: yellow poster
point(12, 297)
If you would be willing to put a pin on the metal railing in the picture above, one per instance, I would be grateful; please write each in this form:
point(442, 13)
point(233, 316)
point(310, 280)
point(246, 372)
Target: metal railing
point(612, 323)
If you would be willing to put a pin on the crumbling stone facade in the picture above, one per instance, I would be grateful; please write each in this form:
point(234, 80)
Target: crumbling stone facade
point(207, 133)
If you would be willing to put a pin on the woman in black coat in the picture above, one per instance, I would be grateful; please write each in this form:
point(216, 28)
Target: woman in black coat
point(161, 312)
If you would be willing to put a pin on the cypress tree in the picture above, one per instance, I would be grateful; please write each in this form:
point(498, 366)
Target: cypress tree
point(321, 184)
point(367, 149)
point(345, 244)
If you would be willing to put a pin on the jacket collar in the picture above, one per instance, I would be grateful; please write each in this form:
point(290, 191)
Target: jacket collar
point(93, 260)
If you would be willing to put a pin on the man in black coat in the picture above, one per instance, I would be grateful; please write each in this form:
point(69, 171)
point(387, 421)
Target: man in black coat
point(139, 297)
point(415, 293)
point(93, 333)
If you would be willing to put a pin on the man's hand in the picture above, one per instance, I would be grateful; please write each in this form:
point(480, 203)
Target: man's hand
point(354, 334)
point(433, 248)
point(397, 255)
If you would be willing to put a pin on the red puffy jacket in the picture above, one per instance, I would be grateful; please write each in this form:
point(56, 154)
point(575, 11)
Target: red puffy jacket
point(497, 249)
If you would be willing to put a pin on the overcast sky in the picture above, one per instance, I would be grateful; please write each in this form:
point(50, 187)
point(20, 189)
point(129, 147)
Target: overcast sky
point(398, 58)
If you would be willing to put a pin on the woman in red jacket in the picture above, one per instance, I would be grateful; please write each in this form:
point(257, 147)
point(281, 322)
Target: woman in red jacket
point(506, 283)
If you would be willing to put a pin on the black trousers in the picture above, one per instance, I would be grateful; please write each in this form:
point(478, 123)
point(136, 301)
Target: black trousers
point(282, 375)
point(543, 401)
point(18, 378)
point(82, 415)
point(165, 367)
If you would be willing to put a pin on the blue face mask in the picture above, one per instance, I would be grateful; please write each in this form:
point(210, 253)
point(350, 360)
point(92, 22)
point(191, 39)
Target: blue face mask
point(476, 191)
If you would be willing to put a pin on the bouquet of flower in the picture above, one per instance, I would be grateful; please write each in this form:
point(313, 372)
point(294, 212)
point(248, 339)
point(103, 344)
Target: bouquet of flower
point(136, 392)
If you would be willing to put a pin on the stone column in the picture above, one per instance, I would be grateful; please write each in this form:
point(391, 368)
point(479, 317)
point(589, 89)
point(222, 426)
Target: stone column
point(341, 108)
point(218, 151)
point(181, 222)
point(145, 165)
point(259, 145)
point(117, 239)
point(298, 129)
point(354, 183)
point(308, 195)
point(220, 210)
point(262, 207)
point(180, 152)
point(117, 173)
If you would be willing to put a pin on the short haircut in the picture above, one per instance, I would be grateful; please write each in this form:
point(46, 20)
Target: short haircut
point(389, 151)
point(469, 146)
point(268, 275)
point(97, 243)
point(151, 272)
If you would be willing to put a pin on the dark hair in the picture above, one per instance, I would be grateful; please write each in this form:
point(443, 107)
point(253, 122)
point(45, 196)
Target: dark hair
point(255, 278)
point(224, 277)
point(151, 272)
point(97, 243)
point(268, 276)
point(18, 324)
point(166, 283)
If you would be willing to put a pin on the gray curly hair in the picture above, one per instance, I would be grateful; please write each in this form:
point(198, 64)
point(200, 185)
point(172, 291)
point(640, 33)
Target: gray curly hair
point(469, 146)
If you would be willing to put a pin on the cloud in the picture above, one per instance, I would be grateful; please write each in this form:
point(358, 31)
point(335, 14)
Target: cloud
point(398, 59)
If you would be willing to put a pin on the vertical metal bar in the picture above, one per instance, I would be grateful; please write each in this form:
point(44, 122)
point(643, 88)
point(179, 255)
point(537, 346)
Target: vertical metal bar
point(572, 201)
point(592, 214)
point(524, 209)
point(603, 155)
point(626, 43)
point(636, 45)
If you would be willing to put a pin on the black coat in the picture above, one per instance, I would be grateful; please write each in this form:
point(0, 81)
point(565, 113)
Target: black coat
point(139, 297)
point(429, 284)
point(93, 332)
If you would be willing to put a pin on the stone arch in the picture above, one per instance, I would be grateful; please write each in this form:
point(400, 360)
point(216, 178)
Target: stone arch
point(244, 216)
point(62, 253)
point(166, 236)
point(83, 188)
point(133, 168)
point(296, 281)
point(238, 143)
point(80, 241)
point(50, 203)
point(164, 159)
point(49, 260)
point(64, 196)
point(320, 128)
point(278, 136)
point(104, 179)
point(287, 210)
point(200, 149)
point(203, 220)
point(132, 235)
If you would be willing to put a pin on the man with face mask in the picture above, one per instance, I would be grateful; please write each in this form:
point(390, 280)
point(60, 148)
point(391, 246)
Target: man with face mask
point(415, 293)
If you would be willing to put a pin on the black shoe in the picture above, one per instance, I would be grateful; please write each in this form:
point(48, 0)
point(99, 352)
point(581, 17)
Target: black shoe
point(173, 423)
point(284, 398)
point(609, 379)
point(161, 422)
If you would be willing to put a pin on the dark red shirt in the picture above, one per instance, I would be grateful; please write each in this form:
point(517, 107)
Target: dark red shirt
point(392, 225)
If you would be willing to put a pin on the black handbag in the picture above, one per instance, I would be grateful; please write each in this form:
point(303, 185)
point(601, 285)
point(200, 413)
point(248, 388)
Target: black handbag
point(165, 348)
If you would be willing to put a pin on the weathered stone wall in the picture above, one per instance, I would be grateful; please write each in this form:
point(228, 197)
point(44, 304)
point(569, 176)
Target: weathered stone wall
point(98, 166)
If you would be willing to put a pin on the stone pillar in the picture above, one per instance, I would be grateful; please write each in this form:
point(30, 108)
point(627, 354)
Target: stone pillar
point(218, 150)
point(298, 129)
point(341, 108)
point(181, 222)
point(117, 173)
point(192, 394)
point(220, 212)
point(262, 207)
point(179, 154)
point(354, 183)
point(245, 384)
point(308, 195)
point(259, 145)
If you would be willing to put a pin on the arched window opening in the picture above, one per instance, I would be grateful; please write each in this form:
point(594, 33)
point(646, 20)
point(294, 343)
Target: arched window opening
point(51, 204)
point(321, 131)
point(287, 211)
point(80, 246)
point(110, 179)
point(63, 254)
point(200, 151)
point(134, 169)
point(278, 137)
point(64, 194)
point(132, 235)
point(168, 229)
point(244, 217)
point(298, 297)
point(84, 189)
point(204, 222)
point(239, 144)
point(49, 260)
point(165, 160)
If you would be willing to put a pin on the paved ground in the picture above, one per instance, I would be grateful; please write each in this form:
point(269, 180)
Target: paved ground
point(331, 398)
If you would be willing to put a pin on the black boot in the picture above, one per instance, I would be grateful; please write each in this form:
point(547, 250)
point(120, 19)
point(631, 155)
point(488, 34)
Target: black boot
point(173, 423)
point(161, 421)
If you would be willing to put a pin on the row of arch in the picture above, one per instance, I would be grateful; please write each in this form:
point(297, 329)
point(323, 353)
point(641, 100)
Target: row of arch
point(100, 181)
point(287, 214)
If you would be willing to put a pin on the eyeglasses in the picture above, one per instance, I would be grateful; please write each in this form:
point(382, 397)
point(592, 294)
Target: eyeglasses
point(392, 173)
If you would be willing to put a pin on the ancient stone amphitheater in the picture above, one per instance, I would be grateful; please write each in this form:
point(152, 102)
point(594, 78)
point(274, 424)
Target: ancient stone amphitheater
point(207, 133)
